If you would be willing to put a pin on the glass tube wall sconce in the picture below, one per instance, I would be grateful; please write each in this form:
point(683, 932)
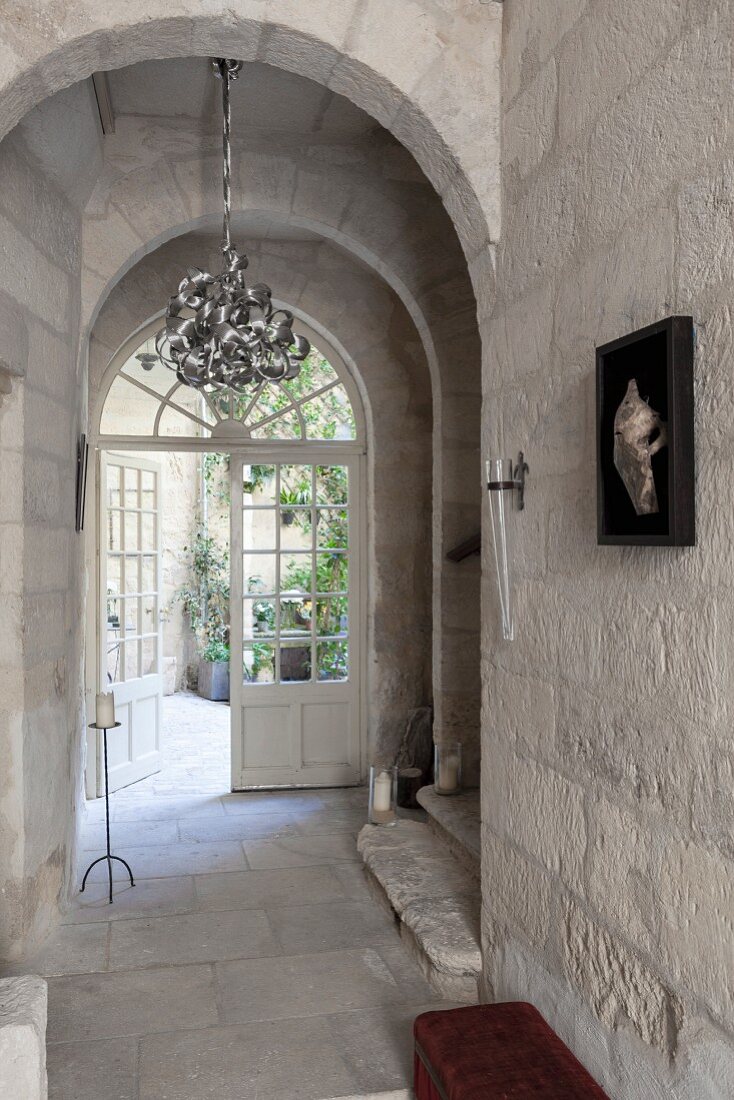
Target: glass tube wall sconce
point(506, 487)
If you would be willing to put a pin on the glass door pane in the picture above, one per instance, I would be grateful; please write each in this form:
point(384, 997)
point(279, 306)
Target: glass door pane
point(295, 573)
point(132, 570)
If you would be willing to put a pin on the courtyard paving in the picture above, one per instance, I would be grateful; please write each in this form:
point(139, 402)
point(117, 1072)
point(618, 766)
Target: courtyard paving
point(249, 960)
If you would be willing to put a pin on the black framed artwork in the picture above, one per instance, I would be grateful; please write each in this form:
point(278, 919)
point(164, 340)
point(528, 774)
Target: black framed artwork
point(644, 437)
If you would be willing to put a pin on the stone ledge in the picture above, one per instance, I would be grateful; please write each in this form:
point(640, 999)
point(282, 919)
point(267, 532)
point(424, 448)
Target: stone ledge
point(23, 1007)
point(436, 900)
point(456, 819)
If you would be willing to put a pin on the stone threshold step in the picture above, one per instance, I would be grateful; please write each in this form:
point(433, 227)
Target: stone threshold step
point(434, 897)
point(456, 820)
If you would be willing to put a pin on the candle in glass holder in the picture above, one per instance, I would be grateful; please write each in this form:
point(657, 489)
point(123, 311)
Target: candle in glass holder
point(381, 797)
point(448, 773)
point(105, 714)
point(447, 768)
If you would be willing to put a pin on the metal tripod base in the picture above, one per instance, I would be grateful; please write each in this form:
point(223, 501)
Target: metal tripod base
point(108, 858)
point(108, 855)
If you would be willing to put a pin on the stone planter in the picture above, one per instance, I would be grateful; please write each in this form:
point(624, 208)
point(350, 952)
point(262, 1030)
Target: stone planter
point(214, 680)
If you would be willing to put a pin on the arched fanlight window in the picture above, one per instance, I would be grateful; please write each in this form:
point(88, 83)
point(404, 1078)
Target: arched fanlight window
point(145, 400)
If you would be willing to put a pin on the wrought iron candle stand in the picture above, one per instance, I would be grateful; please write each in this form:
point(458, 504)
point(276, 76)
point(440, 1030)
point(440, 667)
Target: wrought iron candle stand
point(108, 856)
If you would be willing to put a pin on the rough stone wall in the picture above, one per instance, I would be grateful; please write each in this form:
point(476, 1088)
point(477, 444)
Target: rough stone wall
point(608, 856)
point(41, 557)
point(317, 278)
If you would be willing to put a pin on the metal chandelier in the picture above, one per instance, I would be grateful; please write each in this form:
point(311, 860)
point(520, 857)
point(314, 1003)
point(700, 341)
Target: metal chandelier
point(219, 331)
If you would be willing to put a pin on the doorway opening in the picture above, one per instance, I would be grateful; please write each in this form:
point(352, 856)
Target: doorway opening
point(228, 554)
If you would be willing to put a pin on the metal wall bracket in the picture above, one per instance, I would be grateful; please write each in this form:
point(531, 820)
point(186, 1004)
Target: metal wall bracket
point(518, 477)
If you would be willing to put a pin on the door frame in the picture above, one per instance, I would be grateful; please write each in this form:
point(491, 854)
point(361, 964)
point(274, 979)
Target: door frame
point(253, 452)
point(258, 451)
point(105, 459)
point(357, 596)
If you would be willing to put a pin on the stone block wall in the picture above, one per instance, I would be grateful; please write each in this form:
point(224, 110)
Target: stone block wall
point(607, 746)
point(41, 560)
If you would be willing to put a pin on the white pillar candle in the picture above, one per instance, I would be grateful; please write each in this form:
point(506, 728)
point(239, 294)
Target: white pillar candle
point(105, 715)
point(448, 773)
point(381, 793)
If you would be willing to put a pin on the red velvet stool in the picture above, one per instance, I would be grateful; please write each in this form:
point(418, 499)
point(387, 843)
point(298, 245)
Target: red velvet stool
point(495, 1052)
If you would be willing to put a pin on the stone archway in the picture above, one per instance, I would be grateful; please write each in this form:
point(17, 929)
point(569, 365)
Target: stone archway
point(439, 99)
point(394, 383)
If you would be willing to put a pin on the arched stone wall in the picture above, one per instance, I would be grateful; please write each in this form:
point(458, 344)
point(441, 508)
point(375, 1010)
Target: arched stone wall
point(440, 99)
point(392, 220)
point(316, 279)
point(439, 96)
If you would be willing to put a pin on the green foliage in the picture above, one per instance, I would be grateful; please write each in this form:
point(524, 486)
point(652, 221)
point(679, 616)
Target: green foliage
point(205, 598)
point(299, 495)
point(330, 415)
point(259, 476)
point(215, 651)
point(333, 662)
point(331, 574)
point(262, 658)
point(215, 468)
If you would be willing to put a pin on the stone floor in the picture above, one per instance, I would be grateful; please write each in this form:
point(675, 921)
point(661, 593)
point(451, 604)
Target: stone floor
point(249, 960)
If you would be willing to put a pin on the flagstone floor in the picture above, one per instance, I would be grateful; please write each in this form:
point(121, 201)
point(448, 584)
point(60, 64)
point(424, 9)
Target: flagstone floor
point(248, 961)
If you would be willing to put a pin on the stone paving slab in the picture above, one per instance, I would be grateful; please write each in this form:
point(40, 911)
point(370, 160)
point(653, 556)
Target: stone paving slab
point(317, 984)
point(269, 888)
point(173, 990)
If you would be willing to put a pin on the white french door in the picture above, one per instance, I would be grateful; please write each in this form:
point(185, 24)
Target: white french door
point(130, 644)
point(295, 623)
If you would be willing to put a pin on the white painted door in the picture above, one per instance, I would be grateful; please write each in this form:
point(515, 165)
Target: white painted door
point(295, 623)
point(129, 616)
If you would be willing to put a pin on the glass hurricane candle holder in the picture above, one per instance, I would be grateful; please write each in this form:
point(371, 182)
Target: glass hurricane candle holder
point(383, 806)
point(447, 768)
point(501, 485)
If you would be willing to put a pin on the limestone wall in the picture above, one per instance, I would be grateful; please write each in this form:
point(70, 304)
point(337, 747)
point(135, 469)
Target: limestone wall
point(41, 560)
point(315, 277)
point(607, 748)
point(439, 99)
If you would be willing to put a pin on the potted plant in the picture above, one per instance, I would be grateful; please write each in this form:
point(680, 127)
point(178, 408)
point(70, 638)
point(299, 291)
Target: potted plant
point(292, 497)
point(206, 602)
point(263, 614)
point(214, 671)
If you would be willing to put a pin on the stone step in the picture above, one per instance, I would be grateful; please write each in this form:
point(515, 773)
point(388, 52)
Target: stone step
point(434, 897)
point(456, 821)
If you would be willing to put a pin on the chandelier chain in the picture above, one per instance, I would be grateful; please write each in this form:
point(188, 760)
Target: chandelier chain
point(226, 156)
point(222, 332)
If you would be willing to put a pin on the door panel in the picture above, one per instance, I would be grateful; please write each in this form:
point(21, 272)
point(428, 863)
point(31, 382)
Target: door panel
point(130, 629)
point(295, 630)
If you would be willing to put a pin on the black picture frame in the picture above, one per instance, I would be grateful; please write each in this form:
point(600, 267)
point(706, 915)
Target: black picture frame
point(82, 461)
point(660, 358)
